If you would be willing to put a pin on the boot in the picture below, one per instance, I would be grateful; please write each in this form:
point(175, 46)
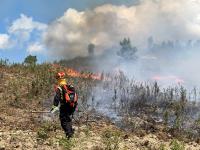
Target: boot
point(69, 135)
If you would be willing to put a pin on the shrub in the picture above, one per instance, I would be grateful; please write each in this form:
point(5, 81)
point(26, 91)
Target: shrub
point(162, 147)
point(30, 60)
point(42, 134)
point(87, 130)
point(175, 145)
point(66, 143)
point(43, 131)
point(111, 139)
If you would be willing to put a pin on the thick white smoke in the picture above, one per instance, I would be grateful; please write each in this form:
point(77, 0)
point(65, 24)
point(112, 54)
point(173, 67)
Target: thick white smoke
point(104, 26)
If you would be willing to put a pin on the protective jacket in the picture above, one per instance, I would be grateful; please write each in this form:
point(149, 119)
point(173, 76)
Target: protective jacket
point(66, 107)
point(66, 97)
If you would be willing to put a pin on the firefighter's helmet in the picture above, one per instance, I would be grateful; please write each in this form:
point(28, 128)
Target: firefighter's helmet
point(60, 75)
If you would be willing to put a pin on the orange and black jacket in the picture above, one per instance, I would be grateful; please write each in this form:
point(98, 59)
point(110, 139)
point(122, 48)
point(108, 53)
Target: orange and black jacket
point(59, 98)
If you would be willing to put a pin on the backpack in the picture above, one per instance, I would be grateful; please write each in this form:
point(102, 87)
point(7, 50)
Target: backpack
point(69, 95)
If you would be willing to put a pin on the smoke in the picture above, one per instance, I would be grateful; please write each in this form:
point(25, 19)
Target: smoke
point(106, 25)
point(68, 36)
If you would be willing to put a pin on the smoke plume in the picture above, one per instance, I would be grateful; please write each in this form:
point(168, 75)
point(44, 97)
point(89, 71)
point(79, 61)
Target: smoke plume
point(104, 26)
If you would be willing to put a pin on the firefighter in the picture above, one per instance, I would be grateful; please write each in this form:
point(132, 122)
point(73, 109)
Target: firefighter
point(66, 98)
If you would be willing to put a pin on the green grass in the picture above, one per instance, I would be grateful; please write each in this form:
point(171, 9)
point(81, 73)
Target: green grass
point(68, 144)
point(162, 147)
point(111, 139)
point(176, 145)
point(43, 132)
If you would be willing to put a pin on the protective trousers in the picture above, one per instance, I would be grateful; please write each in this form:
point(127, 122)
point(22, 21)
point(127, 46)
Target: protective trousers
point(66, 122)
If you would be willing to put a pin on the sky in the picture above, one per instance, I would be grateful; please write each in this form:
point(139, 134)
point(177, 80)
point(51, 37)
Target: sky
point(22, 23)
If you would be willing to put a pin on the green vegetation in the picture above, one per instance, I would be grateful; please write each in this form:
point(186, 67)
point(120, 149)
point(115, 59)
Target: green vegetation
point(66, 143)
point(111, 139)
point(162, 147)
point(166, 117)
point(91, 48)
point(4, 62)
point(42, 134)
point(87, 130)
point(44, 131)
point(30, 60)
point(127, 51)
point(175, 145)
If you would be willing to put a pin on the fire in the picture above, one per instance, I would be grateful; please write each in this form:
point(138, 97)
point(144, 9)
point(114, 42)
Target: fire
point(74, 73)
point(168, 78)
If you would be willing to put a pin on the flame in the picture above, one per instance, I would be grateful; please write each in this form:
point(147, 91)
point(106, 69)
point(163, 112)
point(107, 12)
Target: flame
point(97, 76)
point(169, 78)
point(74, 73)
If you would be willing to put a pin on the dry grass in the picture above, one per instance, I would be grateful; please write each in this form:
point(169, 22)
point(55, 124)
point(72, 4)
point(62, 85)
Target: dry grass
point(144, 109)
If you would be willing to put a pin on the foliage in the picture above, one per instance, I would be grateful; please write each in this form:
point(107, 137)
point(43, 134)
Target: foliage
point(87, 130)
point(166, 117)
point(91, 48)
point(42, 134)
point(44, 130)
point(162, 147)
point(66, 143)
point(111, 139)
point(30, 60)
point(4, 62)
point(127, 51)
point(175, 145)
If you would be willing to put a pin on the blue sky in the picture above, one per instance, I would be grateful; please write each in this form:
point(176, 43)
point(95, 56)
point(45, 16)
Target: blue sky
point(40, 11)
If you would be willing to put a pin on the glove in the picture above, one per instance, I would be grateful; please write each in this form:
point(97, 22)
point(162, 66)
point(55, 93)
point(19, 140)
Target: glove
point(54, 109)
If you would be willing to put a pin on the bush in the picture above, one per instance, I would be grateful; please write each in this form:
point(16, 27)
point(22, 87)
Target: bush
point(87, 130)
point(43, 131)
point(162, 147)
point(175, 145)
point(42, 134)
point(111, 139)
point(66, 143)
point(30, 60)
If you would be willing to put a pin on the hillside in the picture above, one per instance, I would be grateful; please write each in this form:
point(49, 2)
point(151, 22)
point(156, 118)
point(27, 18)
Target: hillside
point(26, 89)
